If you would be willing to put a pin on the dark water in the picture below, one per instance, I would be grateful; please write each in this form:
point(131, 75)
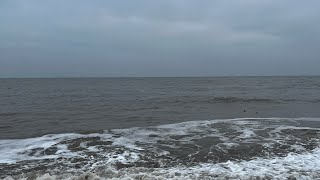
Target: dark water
point(34, 107)
point(170, 128)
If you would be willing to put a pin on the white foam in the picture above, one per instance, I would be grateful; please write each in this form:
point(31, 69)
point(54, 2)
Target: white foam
point(15, 150)
point(229, 144)
point(134, 141)
point(126, 142)
point(300, 166)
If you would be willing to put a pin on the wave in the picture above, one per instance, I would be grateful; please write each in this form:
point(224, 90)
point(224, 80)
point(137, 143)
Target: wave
point(236, 99)
point(8, 114)
point(228, 99)
point(213, 149)
point(293, 166)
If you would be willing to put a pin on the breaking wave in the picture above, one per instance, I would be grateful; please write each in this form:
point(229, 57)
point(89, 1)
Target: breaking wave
point(247, 148)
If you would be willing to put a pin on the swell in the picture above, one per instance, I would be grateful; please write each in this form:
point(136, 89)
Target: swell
point(8, 114)
point(226, 99)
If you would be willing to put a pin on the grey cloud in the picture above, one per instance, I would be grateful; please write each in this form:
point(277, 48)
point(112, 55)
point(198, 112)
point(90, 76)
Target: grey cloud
point(158, 38)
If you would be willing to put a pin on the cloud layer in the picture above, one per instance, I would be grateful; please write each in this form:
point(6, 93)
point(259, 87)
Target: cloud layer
point(42, 38)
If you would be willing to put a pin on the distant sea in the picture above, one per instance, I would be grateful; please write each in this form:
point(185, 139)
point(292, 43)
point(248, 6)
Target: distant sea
point(169, 128)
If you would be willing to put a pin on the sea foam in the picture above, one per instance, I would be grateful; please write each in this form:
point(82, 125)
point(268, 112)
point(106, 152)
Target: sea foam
point(244, 148)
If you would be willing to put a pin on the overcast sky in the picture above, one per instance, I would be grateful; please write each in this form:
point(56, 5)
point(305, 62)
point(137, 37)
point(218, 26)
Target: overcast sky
point(75, 38)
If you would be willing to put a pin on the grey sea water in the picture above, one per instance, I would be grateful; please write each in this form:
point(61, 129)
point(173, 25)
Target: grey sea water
point(183, 128)
point(34, 107)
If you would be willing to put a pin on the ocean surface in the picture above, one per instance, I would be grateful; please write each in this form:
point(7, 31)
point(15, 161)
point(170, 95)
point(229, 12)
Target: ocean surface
point(160, 128)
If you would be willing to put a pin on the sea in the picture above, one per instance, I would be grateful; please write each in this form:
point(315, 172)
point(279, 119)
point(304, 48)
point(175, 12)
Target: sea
point(160, 128)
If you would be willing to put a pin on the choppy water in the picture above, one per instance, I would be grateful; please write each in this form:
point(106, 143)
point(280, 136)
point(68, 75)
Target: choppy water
point(148, 128)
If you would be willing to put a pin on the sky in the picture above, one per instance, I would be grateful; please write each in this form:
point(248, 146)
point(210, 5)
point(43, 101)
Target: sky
point(113, 38)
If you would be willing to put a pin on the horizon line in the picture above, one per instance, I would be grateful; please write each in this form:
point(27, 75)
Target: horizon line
point(213, 76)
